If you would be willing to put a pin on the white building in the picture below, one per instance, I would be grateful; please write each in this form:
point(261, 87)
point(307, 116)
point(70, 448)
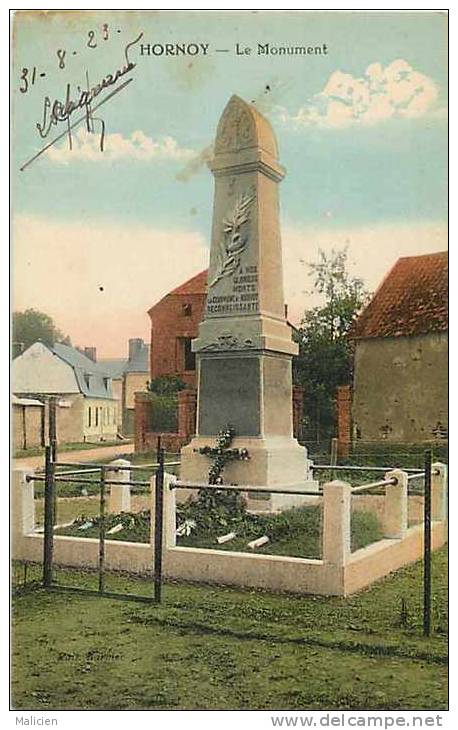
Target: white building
point(87, 409)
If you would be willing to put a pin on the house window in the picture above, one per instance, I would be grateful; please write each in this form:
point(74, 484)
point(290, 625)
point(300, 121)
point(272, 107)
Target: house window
point(189, 355)
point(186, 310)
point(186, 358)
point(106, 384)
point(87, 380)
point(96, 416)
point(89, 416)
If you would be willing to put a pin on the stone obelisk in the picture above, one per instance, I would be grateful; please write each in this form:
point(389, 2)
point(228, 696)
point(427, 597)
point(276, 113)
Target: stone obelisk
point(244, 348)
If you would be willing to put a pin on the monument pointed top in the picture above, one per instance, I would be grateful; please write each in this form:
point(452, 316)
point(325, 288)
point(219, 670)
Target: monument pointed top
point(241, 127)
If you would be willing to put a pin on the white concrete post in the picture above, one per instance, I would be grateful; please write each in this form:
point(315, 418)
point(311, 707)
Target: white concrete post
point(119, 500)
point(439, 492)
point(170, 538)
point(395, 505)
point(22, 509)
point(169, 511)
point(336, 522)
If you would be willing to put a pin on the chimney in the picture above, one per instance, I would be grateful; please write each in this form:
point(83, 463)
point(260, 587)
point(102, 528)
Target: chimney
point(91, 353)
point(135, 346)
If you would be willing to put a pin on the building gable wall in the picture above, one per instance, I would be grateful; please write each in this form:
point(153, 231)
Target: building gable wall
point(173, 320)
point(38, 370)
point(400, 388)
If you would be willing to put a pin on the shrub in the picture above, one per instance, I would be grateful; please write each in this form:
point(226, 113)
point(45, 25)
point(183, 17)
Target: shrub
point(166, 385)
point(164, 413)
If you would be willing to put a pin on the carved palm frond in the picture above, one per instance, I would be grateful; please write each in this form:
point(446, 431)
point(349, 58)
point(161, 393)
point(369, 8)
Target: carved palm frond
point(240, 215)
point(229, 260)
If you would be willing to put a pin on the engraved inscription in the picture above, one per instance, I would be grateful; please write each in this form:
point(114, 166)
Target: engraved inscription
point(243, 299)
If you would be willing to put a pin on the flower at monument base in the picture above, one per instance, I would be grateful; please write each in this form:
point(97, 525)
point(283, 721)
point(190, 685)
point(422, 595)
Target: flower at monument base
point(186, 528)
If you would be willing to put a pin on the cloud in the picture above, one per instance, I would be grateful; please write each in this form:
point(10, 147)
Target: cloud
point(194, 165)
point(59, 268)
point(86, 147)
point(372, 251)
point(393, 91)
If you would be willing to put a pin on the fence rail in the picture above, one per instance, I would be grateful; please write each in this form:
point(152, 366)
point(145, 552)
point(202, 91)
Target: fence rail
point(245, 488)
point(59, 478)
point(375, 485)
point(91, 466)
point(419, 475)
point(344, 467)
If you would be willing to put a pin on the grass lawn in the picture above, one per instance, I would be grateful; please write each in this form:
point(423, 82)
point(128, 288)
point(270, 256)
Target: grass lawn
point(76, 487)
point(68, 508)
point(295, 532)
point(227, 649)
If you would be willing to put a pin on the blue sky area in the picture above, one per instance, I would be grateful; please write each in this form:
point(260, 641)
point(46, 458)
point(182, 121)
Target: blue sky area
point(384, 164)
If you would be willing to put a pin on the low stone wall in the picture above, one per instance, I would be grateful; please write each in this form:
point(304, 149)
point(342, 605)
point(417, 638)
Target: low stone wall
point(340, 572)
point(171, 442)
point(385, 556)
point(146, 440)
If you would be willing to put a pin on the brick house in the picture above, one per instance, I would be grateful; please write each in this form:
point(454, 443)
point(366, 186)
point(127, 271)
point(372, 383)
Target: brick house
point(174, 324)
point(400, 384)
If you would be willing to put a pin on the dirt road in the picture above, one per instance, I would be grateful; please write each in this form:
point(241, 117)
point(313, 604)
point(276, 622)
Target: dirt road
point(98, 452)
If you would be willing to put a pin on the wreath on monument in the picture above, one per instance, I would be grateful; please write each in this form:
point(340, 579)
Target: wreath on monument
point(216, 508)
point(221, 454)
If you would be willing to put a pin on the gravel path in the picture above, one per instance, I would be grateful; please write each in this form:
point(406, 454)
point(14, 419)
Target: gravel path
point(98, 452)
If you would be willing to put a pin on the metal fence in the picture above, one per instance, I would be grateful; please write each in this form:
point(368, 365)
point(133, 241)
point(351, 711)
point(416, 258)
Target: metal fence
point(413, 475)
point(54, 475)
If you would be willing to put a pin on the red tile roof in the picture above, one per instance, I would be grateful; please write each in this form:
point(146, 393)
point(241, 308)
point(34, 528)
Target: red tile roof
point(411, 300)
point(196, 285)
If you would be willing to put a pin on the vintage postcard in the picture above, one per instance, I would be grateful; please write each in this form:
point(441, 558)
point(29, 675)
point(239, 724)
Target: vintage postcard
point(229, 364)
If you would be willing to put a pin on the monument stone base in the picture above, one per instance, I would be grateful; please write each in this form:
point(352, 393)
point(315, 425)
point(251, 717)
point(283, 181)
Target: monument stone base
point(274, 461)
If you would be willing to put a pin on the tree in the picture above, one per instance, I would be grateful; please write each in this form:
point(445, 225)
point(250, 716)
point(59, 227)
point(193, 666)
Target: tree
point(32, 325)
point(325, 353)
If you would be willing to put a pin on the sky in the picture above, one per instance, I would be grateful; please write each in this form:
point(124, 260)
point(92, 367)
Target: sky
point(99, 237)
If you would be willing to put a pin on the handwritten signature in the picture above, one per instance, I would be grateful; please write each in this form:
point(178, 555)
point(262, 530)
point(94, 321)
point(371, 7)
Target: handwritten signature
point(58, 111)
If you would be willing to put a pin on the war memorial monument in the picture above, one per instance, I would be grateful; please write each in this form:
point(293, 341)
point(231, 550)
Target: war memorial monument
point(244, 348)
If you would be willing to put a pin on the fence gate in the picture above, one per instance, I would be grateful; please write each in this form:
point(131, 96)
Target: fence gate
point(84, 473)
